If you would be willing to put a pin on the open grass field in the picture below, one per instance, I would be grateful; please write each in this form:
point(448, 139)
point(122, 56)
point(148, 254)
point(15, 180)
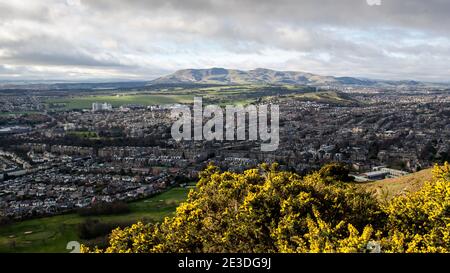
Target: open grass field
point(85, 102)
point(84, 134)
point(391, 187)
point(221, 95)
point(331, 97)
point(51, 234)
point(169, 97)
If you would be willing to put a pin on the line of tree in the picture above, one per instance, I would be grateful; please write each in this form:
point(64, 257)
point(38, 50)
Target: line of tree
point(105, 208)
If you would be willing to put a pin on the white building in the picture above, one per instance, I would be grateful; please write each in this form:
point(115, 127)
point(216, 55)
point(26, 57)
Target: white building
point(97, 106)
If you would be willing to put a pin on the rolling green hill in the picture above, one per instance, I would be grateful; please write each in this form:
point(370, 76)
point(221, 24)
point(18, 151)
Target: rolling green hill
point(331, 97)
point(255, 76)
point(267, 76)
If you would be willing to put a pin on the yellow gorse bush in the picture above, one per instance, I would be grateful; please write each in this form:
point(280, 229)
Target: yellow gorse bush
point(420, 221)
point(265, 210)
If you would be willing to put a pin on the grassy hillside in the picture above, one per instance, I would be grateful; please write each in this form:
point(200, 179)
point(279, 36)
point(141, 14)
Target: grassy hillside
point(51, 234)
point(255, 76)
point(331, 97)
point(392, 187)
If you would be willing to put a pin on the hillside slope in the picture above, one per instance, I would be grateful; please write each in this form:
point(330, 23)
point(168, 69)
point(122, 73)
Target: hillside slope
point(255, 76)
point(391, 187)
point(224, 76)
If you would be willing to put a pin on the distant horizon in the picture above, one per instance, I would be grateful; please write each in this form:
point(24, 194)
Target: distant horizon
point(119, 80)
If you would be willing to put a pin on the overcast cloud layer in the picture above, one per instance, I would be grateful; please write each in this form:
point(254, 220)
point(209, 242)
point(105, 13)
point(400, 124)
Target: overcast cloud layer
point(137, 39)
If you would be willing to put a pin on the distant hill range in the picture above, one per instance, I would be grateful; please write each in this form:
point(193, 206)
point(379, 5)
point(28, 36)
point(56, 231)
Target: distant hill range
point(268, 76)
point(222, 76)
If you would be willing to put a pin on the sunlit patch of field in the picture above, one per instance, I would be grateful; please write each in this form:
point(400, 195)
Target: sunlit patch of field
point(391, 187)
point(51, 234)
point(85, 102)
point(331, 97)
point(233, 94)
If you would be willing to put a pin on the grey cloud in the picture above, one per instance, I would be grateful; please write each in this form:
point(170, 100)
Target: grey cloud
point(10, 12)
point(429, 15)
point(60, 59)
point(4, 70)
point(47, 50)
point(143, 38)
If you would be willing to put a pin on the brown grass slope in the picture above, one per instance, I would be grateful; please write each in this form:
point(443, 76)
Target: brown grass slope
point(391, 187)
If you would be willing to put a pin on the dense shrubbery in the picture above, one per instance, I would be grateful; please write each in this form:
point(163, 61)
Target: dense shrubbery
point(96, 233)
point(333, 172)
point(265, 210)
point(104, 208)
point(420, 221)
point(92, 228)
point(5, 221)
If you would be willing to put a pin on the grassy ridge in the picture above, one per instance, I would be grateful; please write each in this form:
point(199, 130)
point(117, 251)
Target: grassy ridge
point(391, 187)
point(51, 234)
point(331, 97)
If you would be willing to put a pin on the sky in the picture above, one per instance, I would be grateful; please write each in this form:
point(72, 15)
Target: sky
point(104, 40)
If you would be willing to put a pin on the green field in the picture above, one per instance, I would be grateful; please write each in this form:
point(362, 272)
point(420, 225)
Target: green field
point(84, 134)
point(235, 94)
point(85, 102)
point(331, 97)
point(51, 234)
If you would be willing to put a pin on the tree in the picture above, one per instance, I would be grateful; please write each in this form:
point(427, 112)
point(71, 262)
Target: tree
point(335, 172)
